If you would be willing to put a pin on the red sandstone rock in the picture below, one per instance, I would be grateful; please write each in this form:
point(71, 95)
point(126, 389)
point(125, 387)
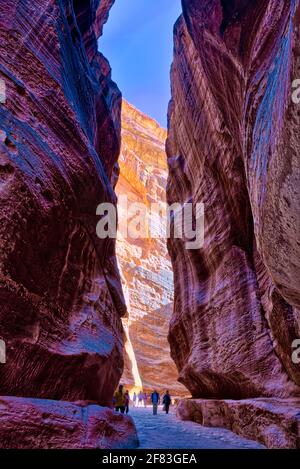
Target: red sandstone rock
point(273, 422)
point(45, 424)
point(61, 300)
point(144, 263)
point(234, 144)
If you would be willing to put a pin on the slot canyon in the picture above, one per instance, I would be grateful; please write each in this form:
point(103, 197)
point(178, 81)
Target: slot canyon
point(79, 314)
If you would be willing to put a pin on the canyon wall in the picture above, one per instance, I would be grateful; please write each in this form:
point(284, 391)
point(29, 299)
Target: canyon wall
point(61, 300)
point(144, 262)
point(233, 143)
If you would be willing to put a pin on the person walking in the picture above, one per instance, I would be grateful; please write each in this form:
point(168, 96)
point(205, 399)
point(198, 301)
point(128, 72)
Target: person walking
point(140, 399)
point(134, 399)
point(167, 401)
point(127, 400)
point(119, 400)
point(155, 399)
point(145, 399)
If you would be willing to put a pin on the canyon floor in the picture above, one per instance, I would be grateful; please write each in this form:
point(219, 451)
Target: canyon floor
point(167, 431)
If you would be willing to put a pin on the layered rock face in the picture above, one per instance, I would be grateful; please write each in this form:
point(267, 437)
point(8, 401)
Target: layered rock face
point(61, 300)
point(144, 262)
point(52, 424)
point(272, 421)
point(234, 144)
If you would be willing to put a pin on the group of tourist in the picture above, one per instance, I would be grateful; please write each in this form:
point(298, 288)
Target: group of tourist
point(122, 400)
point(140, 399)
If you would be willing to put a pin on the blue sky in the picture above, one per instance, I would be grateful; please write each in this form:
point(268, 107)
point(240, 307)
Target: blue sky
point(138, 41)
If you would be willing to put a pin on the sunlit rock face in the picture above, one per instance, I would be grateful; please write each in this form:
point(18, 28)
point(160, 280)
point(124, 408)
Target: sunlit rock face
point(144, 262)
point(61, 300)
point(233, 144)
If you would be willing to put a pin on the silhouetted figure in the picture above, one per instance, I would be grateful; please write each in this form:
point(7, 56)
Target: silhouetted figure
point(134, 399)
point(155, 399)
point(119, 400)
point(145, 399)
point(127, 400)
point(167, 401)
point(141, 397)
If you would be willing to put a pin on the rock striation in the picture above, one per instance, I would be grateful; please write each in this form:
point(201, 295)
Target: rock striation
point(233, 144)
point(271, 421)
point(48, 424)
point(144, 263)
point(61, 300)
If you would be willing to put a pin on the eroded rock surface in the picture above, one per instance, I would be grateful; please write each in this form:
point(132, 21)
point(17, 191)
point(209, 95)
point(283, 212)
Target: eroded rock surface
point(144, 262)
point(40, 423)
point(273, 422)
point(234, 144)
point(61, 300)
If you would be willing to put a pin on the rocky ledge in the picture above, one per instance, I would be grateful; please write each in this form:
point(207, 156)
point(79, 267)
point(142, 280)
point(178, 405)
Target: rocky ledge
point(45, 424)
point(273, 422)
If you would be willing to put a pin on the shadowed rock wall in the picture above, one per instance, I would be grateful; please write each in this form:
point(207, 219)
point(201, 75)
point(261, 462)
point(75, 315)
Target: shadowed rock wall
point(61, 300)
point(233, 144)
